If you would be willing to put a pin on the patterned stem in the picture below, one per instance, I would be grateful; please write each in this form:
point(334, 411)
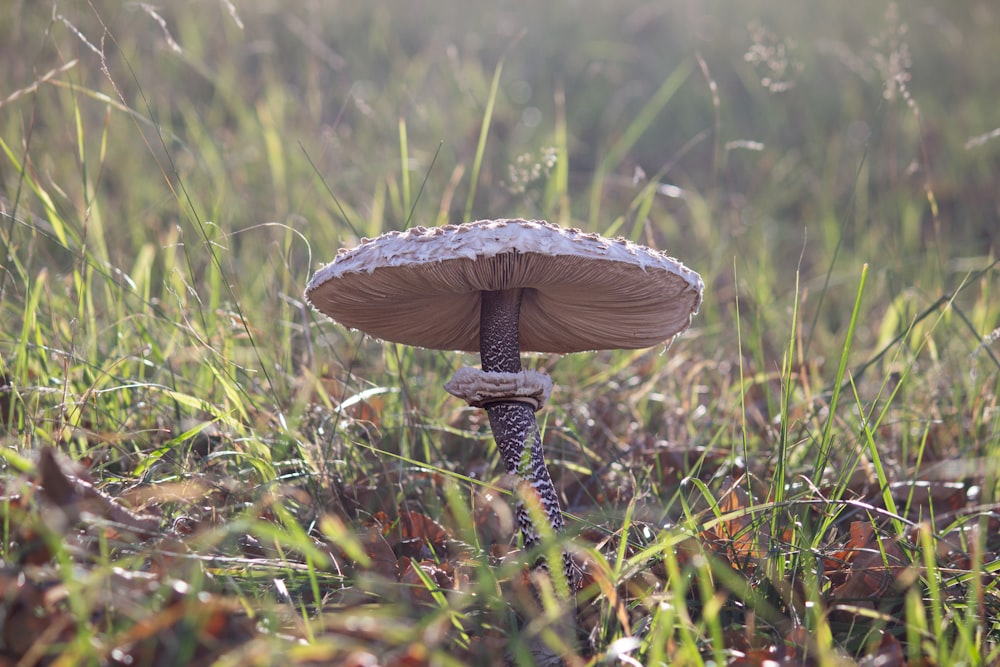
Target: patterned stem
point(513, 422)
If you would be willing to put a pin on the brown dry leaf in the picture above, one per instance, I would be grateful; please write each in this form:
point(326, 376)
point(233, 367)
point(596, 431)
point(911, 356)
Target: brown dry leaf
point(160, 640)
point(871, 575)
point(360, 658)
point(415, 588)
point(420, 533)
point(790, 653)
point(955, 547)
point(383, 560)
point(927, 498)
point(736, 530)
point(365, 406)
point(735, 499)
point(415, 655)
point(771, 656)
point(33, 617)
point(888, 653)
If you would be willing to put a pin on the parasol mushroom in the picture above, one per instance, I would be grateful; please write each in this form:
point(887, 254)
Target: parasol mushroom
point(501, 287)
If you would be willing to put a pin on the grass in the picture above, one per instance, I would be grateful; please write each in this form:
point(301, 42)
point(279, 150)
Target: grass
point(808, 476)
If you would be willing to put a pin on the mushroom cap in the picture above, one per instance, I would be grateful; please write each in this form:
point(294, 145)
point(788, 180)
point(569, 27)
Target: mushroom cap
point(580, 291)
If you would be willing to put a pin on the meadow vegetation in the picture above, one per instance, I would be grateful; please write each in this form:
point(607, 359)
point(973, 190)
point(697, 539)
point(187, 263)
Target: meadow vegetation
point(199, 469)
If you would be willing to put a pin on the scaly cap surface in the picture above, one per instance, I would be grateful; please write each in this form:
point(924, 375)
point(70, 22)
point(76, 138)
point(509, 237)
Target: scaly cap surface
point(581, 291)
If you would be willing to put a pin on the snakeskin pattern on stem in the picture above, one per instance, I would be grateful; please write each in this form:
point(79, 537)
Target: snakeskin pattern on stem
point(513, 422)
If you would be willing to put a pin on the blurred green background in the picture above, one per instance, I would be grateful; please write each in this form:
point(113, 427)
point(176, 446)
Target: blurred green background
point(808, 120)
point(202, 158)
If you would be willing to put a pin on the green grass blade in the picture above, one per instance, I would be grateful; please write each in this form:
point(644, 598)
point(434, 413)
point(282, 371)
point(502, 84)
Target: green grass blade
point(826, 441)
point(484, 132)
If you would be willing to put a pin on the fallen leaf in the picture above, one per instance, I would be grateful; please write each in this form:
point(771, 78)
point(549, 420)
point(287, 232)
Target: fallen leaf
point(420, 534)
point(924, 499)
point(414, 582)
point(875, 564)
point(888, 653)
point(383, 560)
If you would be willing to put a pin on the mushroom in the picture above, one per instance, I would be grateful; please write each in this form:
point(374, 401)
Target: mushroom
point(501, 287)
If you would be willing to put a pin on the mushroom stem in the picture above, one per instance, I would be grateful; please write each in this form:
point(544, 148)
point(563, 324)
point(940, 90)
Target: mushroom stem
point(513, 421)
point(499, 331)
